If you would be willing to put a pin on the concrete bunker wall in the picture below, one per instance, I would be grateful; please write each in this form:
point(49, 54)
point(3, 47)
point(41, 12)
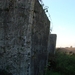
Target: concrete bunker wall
point(24, 30)
point(15, 36)
point(40, 33)
point(52, 44)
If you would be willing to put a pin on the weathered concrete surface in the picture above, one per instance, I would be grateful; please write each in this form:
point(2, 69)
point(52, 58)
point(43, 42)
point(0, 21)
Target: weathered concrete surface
point(40, 33)
point(24, 34)
point(52, 44)
point(15, 35)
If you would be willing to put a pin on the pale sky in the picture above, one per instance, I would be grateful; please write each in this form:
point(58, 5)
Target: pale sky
point(62, 14)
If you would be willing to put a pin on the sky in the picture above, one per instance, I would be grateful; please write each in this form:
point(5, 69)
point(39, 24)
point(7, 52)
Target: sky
point(62, 17)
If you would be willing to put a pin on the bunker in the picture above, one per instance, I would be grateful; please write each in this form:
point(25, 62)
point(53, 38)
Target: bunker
point(24, 32)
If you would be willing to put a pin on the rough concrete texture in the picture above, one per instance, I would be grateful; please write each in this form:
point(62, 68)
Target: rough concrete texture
point(24, 30)
point(52, 44)
point(40, 33)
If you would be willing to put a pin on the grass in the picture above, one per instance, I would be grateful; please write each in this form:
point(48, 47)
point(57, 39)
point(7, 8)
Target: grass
point(61, 64)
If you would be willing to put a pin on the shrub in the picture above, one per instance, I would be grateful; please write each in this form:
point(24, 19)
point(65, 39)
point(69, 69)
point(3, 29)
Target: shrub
point(64, 64)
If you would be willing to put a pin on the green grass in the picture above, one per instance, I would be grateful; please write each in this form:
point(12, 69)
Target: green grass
point(52, 73)
point(64, 64)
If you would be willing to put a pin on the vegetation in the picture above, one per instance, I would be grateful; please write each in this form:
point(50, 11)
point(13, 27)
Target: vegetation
point(61, 64)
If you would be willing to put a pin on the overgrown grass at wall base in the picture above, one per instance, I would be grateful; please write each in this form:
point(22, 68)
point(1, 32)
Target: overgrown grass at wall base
point(53, 73)
point(64, 64)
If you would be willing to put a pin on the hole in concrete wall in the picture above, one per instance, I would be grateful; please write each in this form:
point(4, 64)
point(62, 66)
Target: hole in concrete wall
point(4, 72)
point(28, 53)
point(27, 70)
point(27, 60)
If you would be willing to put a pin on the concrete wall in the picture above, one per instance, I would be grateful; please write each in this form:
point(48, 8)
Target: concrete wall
point(15, 37)
point(24, 30)
point(52, 44)
point(40, 33)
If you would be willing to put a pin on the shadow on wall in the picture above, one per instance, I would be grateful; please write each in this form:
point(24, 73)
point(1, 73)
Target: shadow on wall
point(4, 72)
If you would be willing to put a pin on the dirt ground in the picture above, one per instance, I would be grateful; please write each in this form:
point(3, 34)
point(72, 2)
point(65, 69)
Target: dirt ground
point(68, 50)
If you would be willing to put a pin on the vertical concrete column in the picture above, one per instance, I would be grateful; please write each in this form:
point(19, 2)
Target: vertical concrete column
point(40, 32)
point(52, 44)
point(16, 17)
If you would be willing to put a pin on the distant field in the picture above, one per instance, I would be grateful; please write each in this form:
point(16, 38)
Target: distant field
point(66, 50)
